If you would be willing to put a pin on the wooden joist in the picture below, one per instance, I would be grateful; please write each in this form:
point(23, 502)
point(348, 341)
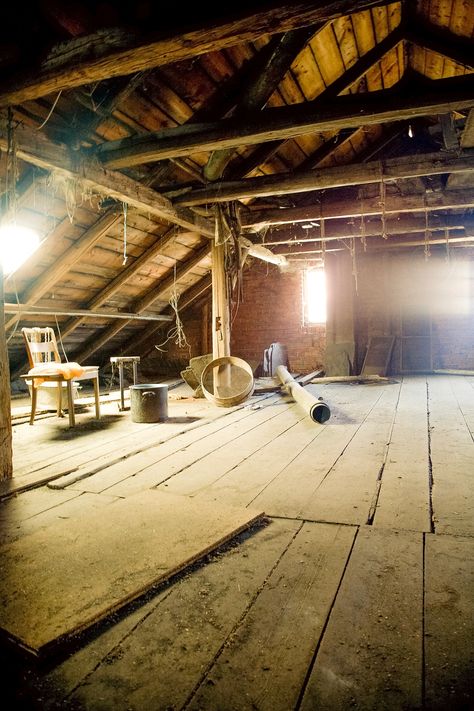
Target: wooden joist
point(82, 313)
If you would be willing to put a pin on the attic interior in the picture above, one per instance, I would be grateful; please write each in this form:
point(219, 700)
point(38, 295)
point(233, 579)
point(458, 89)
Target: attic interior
point(171, 187)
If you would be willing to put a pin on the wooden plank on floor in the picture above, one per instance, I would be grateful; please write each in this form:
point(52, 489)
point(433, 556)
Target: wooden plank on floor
point(449, 622)
point(210, 464)
point(256, 459)
point(158, 662)
point(404, 497)
point(159, 461)
point(58, 581)
point(347, 493)
point(265, 663)
point(60, 508)
point(371, 653)
point(452, 461)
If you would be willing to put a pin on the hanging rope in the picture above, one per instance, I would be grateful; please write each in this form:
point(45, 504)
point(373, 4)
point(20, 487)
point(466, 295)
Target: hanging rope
point(354, 264)
point(176, 333)
point(125, 211)
point(362, 222)
point(38, 128)
point(61, 339)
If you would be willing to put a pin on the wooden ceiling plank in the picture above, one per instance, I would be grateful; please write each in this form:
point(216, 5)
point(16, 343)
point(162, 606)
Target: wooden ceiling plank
point(335, 177)
point(350, 111)
point(257, 92)
point(117, 52)
point(458, 49)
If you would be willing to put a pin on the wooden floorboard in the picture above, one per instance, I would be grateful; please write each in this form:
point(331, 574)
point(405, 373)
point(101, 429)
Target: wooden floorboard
point(449, 622)
point(355, 592)
point(371, 653)
point(452, 458)
point(404, 498)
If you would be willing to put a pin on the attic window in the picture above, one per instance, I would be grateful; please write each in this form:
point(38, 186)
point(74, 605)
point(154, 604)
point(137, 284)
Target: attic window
point(16, 245)
point(314, 296)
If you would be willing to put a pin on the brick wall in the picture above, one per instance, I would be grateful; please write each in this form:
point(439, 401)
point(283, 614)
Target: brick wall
point(272, 311)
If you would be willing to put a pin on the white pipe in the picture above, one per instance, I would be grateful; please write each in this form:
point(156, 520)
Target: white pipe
point(316, 409)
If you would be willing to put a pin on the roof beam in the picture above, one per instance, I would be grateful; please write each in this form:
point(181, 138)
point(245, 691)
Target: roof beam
point(36, 149)
point(348, 111)
point(334, 177)
point(328, 207)
point(118, 51)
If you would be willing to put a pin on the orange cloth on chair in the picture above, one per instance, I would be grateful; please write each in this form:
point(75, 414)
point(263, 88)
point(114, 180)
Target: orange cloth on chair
point(67, 370)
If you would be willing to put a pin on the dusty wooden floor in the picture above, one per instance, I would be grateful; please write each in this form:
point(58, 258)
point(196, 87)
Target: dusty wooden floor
point(357, 592)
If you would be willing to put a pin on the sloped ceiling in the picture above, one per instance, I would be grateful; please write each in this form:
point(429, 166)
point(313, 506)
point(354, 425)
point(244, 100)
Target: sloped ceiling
point(317, 122)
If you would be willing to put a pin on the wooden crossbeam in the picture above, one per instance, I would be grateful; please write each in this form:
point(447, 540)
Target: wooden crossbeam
point(459, 49)
point(349, 111)
point(329, 208)
point(36, 149)
point(335, 177)
point(82, 313)
point(118, 52)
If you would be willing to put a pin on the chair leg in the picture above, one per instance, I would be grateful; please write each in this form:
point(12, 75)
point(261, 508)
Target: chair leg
point(33, 402)
point(60, 397)
point(96, 396)
point(70, 403)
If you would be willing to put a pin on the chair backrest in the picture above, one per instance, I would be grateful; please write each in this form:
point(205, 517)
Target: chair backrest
point(41, 345)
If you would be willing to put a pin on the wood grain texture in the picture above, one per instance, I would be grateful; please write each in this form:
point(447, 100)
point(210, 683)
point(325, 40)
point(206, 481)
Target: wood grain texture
point(73, 574)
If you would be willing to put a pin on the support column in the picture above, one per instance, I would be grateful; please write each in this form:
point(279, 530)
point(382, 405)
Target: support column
point(220, 304)
point(340, 337)
point(6, 456)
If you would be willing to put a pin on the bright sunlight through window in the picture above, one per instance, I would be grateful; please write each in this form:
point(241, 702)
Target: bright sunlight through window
point(315, 296)
point(16, 245)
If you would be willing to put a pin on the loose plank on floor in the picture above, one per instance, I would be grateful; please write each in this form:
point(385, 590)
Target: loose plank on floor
point(60, 580)
point(158, 664)
point(372, 648)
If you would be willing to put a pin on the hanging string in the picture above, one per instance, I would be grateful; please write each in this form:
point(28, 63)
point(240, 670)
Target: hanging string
point(125, 211)
point(382, 202)
point(427, 234)
point(362, 222)
point(354, 264)
point(446, 234)
point(11, 169)
point(38, 128)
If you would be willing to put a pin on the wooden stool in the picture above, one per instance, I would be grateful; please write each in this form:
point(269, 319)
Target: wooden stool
point(120, 360)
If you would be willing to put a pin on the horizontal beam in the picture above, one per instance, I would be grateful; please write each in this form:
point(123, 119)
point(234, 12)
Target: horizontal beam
point(118, 51)
point(21, 309)
point(282, 122)
point(335, 177)
point(329, 208)
point(36, 149)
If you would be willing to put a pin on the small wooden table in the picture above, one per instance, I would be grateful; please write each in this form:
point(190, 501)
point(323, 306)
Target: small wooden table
point(120, 360)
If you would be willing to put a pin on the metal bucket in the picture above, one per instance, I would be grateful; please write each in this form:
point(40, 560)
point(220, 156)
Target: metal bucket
point(149, 402)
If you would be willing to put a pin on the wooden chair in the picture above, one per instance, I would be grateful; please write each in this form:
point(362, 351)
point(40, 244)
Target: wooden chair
point(44, 359)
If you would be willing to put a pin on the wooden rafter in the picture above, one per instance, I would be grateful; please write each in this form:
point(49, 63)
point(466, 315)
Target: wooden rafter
point(117, 52)
point(38, 150)
point(143, 303)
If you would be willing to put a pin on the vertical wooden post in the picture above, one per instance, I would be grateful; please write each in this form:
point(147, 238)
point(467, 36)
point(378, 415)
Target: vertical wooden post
point(205, 328)
point(220, 305)
point(6, 463)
